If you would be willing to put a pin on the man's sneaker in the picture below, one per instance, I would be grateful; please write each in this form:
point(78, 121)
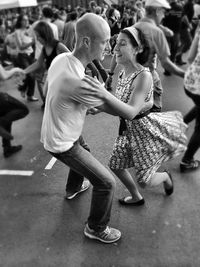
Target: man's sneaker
point(84, 187)
point(10, 150)
point(109, 235)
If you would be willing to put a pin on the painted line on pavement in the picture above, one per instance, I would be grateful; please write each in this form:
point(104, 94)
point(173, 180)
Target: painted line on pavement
point(15, 172)
point(50, 164)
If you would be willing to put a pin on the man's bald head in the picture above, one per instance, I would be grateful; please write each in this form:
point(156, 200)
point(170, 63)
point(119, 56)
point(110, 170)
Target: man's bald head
point(91, 25)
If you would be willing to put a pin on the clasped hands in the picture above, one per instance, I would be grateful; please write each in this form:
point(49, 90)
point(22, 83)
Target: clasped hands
point(18, 76)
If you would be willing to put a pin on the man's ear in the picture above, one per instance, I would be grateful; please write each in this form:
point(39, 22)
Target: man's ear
point(157, 11)
point(139, 50)
point(86, 41)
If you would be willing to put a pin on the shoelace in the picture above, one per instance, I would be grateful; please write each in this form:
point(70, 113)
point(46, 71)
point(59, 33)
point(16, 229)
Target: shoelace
point(106, 232)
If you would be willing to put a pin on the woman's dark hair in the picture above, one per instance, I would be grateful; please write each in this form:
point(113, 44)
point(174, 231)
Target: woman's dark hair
point(142, 57)
point(71, 16)
point(45, 31)
point(20, 18)
point(111, 12)
point(47, 12)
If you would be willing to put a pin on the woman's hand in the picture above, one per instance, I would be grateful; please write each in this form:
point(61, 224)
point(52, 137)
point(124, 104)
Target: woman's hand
point(93, 111)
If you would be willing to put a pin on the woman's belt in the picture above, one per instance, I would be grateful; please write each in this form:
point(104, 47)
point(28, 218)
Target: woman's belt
point(123, 127)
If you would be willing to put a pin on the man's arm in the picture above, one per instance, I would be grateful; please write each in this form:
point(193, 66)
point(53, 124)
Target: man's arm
point(116, 107)
point(171, 67)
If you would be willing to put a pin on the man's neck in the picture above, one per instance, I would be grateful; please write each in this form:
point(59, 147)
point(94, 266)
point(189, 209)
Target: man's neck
point(82, 57)
point(47, 19)
point(150, 18)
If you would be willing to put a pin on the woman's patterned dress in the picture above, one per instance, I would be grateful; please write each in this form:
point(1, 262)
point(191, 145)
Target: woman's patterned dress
point(147, 141)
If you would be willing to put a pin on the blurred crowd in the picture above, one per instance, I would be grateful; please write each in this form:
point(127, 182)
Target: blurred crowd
point(182, 19)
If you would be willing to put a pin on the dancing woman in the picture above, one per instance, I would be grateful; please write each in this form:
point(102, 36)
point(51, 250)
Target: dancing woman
point(147, 139)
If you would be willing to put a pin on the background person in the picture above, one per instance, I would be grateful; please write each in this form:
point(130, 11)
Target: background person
point(11, 110)
point(25, 55)
point(51, 48)
point(192, 90)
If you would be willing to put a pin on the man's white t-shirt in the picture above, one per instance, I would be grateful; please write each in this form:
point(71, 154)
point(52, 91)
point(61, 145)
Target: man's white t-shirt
point(66, 105)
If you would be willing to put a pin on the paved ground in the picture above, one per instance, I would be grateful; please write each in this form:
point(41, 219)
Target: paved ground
point(39, 228)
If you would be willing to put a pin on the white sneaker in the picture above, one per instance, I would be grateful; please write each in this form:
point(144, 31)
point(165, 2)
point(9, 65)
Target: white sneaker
point(84, 187)
point(109, 235)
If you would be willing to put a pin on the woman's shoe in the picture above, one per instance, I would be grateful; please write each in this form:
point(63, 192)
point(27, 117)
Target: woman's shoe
point(189, 166)
point(168, 190)
point(123, 201)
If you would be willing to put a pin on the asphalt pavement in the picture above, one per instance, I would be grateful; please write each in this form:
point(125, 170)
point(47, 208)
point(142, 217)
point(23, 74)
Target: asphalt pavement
point(39, 228)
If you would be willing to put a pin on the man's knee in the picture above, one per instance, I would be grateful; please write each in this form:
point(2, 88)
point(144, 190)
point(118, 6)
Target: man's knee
point(111, 182)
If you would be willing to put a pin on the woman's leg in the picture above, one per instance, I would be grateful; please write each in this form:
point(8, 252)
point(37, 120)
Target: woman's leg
point(191, 115)
point(160, 177)
point(188, 162)
point(126, 178)
point(194, 142)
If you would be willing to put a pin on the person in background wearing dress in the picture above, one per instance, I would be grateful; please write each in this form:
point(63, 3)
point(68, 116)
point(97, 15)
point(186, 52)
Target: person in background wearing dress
point(147, 139)
point(40, 75)
point(192, 90)
point(51, 48)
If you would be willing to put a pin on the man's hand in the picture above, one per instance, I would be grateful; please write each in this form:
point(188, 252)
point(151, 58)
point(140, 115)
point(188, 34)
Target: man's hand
point(93, 87)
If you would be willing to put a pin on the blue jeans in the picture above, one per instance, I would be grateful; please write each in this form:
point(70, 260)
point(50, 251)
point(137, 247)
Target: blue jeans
point(82, 162)
point(75, 180)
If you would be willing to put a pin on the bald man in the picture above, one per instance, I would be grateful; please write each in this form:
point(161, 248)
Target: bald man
point(64, 116)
